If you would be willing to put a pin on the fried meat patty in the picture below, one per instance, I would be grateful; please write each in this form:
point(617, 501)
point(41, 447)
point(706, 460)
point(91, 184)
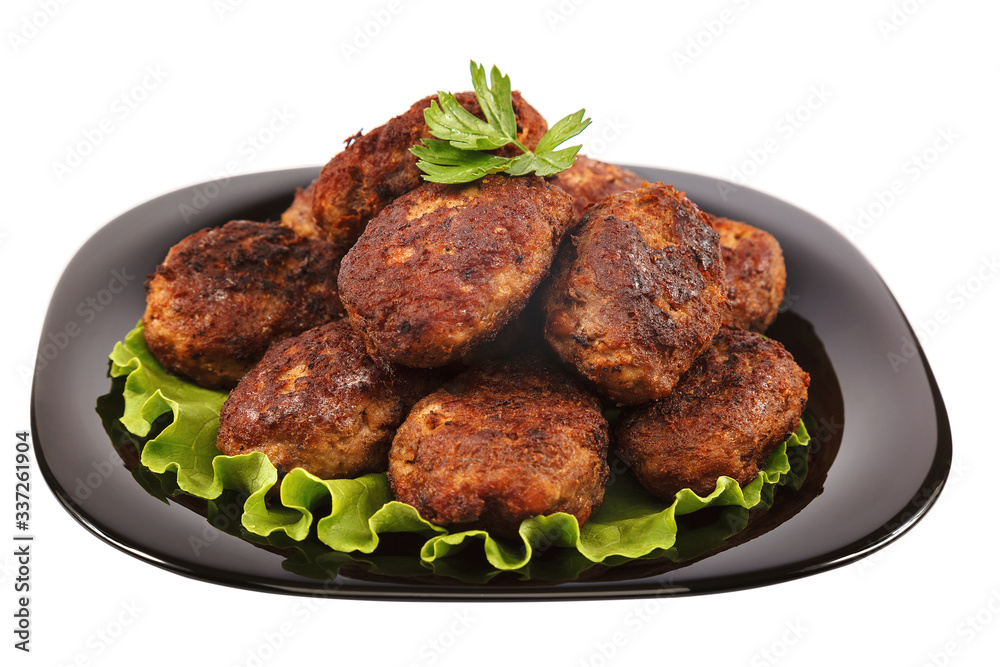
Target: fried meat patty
point(755, 274)
point(318, 401)
point(589, 180)
point(445, 267)
point(500, 443)
point(637, 294)
point(299, 216)
point(223, 295)
point(741, 399)
point(375, 168)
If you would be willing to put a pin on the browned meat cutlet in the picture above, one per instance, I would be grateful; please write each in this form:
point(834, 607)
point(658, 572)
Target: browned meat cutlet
point(375, 168)
point(503, 442)
point(741, 399)
point(446, 267)
point(589, 180)
point(755, 274)
point(299, 216)
point(223, 295)
point(637, 294)
point(318, 401)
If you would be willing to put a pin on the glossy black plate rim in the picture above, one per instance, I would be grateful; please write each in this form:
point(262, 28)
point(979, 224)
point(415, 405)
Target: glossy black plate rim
point(899, 524)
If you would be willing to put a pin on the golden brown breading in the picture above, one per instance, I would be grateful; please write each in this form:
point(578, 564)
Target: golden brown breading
point(499, 444)
point(755, 274)
point(375, 168)
point(589, 180)
point(318, 401)
point(299, 217)
point(741, 399)
point(223, 295)
point(638, 293)
point(446, 267)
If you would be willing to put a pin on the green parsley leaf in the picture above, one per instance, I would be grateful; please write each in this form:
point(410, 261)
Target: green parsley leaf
point(565, 128)
point(451, 122)
point(496, 103)
point(441, 162)
point(457, 154)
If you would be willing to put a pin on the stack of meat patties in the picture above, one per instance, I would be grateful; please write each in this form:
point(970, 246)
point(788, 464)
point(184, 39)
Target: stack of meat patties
point(467, 339)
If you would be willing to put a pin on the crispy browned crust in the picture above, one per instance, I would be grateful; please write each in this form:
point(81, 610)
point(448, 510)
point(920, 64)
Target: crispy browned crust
point(739, 401)
point(589, 180)
point(318, 401)
point(445, 267)
point(223, 295)
point(299, 217)
point(501, 443)
point(375, 168)
point(637, 294)
point(755, 274)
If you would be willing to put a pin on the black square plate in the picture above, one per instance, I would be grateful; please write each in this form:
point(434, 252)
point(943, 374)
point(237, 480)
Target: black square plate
point(884, 444)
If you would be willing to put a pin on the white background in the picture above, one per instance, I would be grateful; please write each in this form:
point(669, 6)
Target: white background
point(885, 79)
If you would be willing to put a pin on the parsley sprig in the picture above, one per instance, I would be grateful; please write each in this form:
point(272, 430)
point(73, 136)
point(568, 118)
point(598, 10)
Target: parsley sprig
point(458, 154)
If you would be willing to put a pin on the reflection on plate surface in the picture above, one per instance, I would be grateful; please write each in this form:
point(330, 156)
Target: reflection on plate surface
point(885, 424)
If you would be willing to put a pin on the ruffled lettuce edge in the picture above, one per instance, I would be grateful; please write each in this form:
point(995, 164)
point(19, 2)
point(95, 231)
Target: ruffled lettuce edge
point(350, 515)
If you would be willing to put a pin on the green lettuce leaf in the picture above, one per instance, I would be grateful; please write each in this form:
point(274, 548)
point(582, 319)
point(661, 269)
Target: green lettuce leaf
point(187, 445)
point(352, 516)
